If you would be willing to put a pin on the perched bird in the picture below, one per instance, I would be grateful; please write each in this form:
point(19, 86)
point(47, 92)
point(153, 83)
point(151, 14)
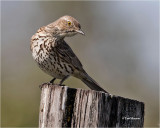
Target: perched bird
point(55, 57)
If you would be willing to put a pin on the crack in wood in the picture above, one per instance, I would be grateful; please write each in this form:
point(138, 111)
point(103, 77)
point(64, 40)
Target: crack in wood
point(67, 107)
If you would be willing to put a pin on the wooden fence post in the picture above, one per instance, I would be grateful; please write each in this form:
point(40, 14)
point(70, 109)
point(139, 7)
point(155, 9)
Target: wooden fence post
point(61, 106)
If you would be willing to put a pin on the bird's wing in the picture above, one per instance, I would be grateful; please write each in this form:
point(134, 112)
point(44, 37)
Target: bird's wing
point(65, 52)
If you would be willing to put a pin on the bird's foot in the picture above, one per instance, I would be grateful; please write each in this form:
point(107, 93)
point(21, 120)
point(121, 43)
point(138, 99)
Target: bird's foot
point(41, 86)
point(61, 84)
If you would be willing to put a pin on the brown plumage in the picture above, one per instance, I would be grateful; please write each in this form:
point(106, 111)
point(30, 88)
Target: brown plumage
point(54, 56)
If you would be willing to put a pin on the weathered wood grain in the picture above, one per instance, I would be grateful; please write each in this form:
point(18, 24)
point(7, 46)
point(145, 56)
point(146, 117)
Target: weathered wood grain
point(61, 106)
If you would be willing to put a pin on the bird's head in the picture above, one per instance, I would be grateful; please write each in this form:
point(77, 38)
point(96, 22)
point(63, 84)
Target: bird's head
point(65, 26)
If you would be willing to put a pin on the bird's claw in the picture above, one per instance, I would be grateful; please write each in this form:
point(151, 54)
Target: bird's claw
point(61, 85)
point(41, 86)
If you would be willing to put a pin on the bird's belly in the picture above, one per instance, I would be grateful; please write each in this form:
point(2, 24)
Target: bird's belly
point(52, 65)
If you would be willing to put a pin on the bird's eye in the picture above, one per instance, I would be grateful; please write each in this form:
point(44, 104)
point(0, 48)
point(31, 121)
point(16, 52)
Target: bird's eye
point(69, 23)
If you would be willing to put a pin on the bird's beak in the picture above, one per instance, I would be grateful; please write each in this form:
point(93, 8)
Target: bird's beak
point(80, 32)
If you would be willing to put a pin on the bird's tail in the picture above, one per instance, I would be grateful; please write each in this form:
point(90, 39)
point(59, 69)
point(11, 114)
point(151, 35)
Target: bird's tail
point(92, 84)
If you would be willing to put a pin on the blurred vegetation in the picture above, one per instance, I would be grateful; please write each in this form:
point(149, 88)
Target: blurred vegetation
point(120, 51)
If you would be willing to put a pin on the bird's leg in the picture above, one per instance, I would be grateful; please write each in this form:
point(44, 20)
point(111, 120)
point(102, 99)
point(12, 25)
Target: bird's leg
point(64, 78)
point(40, 86)
point(52, 81)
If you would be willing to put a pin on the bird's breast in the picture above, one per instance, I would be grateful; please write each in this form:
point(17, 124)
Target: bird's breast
point(48, 59)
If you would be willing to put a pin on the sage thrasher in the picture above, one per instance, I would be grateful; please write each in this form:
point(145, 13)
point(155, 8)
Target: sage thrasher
point(55, 57)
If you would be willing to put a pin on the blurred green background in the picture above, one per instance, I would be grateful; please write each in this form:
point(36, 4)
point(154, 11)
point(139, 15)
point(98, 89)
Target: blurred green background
point(120, 51)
